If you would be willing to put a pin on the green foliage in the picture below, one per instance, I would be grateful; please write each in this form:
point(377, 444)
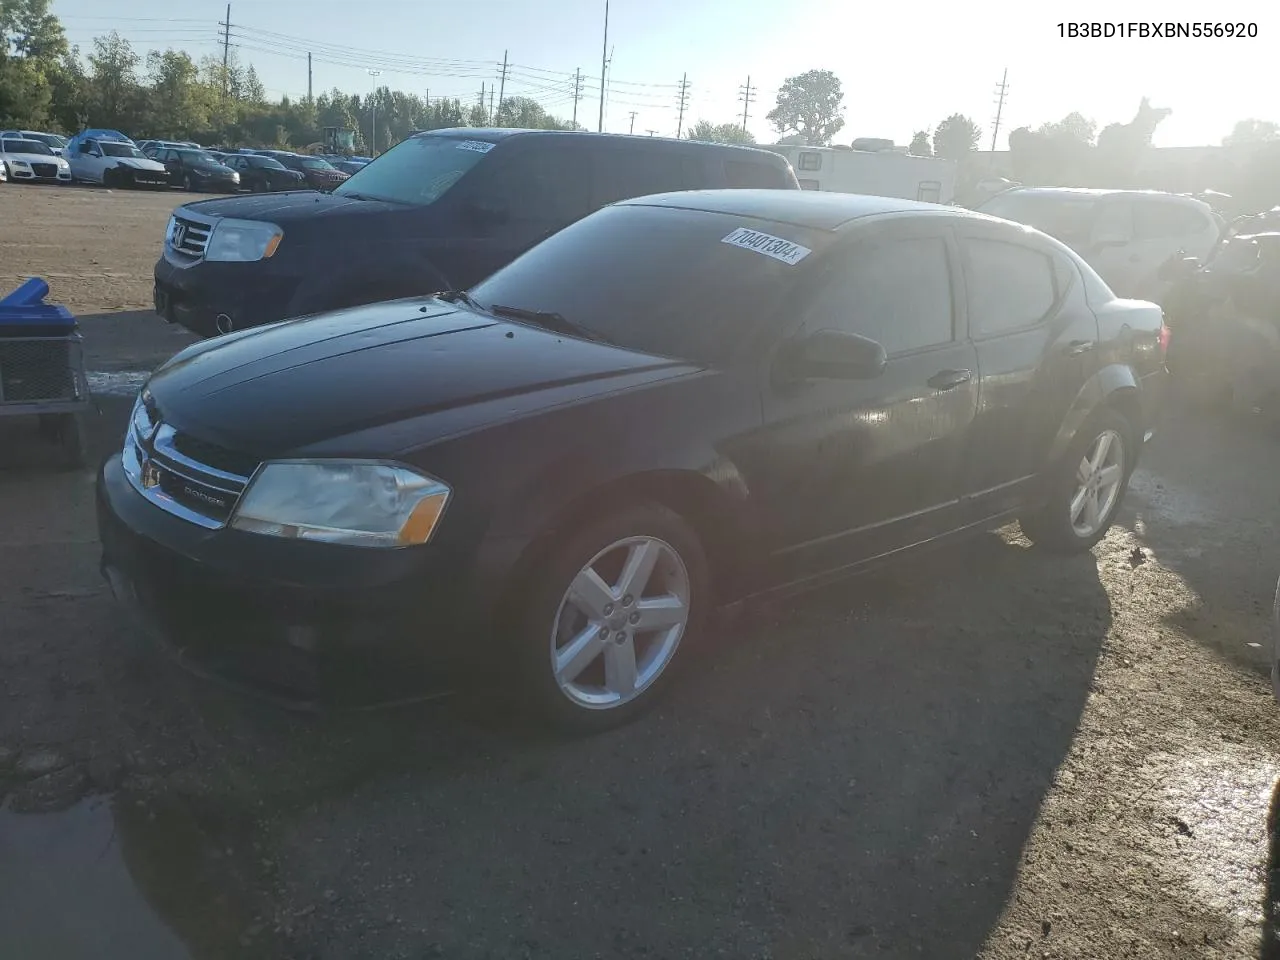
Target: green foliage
point(956, 137)
point(809, 106)
point(920, 144)
point(710, 132)
point(1252, 131)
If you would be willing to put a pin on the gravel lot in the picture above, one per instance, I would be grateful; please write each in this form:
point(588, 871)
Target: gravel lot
point(982, 752)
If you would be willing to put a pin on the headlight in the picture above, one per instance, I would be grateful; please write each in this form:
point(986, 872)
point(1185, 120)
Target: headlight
point(20, 163)
point(364, 503)
point(243, 240)
point(235, 177)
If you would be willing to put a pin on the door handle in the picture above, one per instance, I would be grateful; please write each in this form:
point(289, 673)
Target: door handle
point(949, 379)
point(1078, 347)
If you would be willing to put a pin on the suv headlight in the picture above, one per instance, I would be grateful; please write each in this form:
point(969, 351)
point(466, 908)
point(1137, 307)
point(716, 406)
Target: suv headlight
point(365, 503)
point(243, 240)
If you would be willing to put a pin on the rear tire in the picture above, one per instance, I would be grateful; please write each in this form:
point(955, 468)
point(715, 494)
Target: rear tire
point(631, 635)
point(1086, 486)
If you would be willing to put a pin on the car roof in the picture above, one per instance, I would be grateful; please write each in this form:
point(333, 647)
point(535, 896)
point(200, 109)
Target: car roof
point(1098, 193)
point(819, 210)
point(498, 134)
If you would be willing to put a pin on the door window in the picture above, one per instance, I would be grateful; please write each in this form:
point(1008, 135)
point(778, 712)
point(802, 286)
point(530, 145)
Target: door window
point(897, 292)
point(1010, 286)
point(543, 186)
point(623, 174)
point(1156, 220)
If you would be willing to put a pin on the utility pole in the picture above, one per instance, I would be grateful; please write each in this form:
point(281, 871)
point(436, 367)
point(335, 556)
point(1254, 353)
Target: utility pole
point(651, 132)
point(493, 117)
point(1001, 90)
point(577, 94)
point(308, 75)
point(747, 97)
point(482, 107)
point(684, 99)
point(604, 62)
point(633, 122)
point(226, 50)
point(503, 85)
point(373, 100)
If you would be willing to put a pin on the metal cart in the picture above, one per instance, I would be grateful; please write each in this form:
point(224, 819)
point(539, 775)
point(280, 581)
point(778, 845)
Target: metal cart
point(42, 368)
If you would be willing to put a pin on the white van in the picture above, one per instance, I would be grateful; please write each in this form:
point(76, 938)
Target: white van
point(880, 173)
point(1125, 235)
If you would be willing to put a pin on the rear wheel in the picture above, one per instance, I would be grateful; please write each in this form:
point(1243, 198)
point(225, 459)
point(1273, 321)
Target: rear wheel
point(1086, 486)
point(608, 613)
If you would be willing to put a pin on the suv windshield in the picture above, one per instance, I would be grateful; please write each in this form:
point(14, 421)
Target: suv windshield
point(113, 149)
point(417, 171)
point(1066, 217)
point(25, 146)
point(674, 289)
point(48, 139)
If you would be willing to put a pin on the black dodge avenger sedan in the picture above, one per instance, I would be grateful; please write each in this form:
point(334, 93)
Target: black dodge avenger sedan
point(678, 402)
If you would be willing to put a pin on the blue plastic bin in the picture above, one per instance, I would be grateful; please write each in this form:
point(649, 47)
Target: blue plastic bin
point(24, 313)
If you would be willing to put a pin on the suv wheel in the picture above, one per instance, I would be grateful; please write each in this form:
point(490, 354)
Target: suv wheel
point(1086, 487)
point(606, 617)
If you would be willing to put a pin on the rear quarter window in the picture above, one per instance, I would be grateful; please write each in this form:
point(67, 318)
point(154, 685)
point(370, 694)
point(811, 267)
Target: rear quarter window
point(753, 175)
point(622, 174)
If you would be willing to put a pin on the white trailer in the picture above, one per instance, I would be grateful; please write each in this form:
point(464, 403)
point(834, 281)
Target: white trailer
point(881, 173)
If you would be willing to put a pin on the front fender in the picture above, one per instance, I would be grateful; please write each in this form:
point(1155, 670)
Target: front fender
point(1102, 388)
point(391, 278)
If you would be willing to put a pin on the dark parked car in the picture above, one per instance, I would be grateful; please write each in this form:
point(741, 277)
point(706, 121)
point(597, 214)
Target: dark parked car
point(1225, 318)
point(196, 170)
point(319, 174)
point(556, 477)
point(437, 211)
point(264, 174)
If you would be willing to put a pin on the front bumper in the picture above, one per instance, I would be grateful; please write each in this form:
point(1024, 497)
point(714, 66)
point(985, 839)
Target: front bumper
point(194, 296)
point(146, 178)
point(308, 624)
point(31, 176)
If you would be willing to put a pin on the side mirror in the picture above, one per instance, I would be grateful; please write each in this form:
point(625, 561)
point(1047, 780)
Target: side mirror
point(831, 355)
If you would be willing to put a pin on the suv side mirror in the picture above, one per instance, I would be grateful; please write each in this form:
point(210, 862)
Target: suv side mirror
point(831, 355)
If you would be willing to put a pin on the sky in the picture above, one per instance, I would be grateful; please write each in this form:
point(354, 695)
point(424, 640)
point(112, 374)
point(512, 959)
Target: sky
point(903, 66)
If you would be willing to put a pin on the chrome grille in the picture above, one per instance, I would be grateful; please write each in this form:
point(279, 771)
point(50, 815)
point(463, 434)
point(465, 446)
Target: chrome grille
point(158, 469)
point(188, 236)
point(45, 169)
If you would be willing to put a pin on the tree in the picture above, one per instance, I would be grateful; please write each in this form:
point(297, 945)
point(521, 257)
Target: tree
point(1252, 131)
point(113, 81)
point(709, 132)
point(29, 30)
point(809, 105)
point(174, 104)
point(956, 137)
point(1071, 128)
point(1121, 146)
point(528, 114)
point(920, 144)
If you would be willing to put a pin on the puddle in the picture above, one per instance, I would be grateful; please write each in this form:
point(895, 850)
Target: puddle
point(119, 383)
point(67, 893)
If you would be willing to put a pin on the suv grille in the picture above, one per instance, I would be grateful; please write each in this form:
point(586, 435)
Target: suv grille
point(48, 170)
point(189, 237)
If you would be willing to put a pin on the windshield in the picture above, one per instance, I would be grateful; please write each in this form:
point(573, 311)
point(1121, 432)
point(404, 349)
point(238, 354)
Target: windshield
point(674, 288)
point(417, 171)
point(315, 163)
point(198, 156)
point(48, 139)
point(1066, 217)
point(266, 163)
point(25, 146)
point(111, 149)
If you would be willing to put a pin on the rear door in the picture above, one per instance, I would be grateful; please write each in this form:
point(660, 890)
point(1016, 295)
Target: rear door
point(621, 171)
point(861, 467)
point(1036, 342)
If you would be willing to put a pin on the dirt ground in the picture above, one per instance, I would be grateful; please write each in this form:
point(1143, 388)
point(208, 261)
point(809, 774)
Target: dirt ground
point(985, 752)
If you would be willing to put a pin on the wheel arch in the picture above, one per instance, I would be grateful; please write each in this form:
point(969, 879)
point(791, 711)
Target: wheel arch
point(1115, 386)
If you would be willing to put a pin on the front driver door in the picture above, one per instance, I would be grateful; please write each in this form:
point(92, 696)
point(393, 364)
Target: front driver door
point(861, 467)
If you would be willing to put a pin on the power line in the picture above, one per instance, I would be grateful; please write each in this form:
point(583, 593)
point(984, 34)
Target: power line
point(748, 97)
point(684, 100)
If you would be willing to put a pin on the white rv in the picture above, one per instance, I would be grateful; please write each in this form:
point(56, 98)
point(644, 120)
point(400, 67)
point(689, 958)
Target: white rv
point(881, 173)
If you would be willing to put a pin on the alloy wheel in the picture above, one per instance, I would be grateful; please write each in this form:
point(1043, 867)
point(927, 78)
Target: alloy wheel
point(1099, 477)
point(620, 622)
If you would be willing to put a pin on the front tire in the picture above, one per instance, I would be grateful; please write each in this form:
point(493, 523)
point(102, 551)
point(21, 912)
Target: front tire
point(607, 618)
point(1086, 486)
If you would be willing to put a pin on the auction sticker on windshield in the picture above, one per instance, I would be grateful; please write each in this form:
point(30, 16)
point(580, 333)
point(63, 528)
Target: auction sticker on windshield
point(476, 146)
point(770, 246)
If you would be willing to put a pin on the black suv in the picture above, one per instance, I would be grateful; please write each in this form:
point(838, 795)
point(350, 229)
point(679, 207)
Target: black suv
point(441, 210)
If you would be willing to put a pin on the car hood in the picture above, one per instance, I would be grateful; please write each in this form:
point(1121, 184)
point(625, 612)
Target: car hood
point(310, 206)
point(273, 390)
point(34, 158)
point(139, 163)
